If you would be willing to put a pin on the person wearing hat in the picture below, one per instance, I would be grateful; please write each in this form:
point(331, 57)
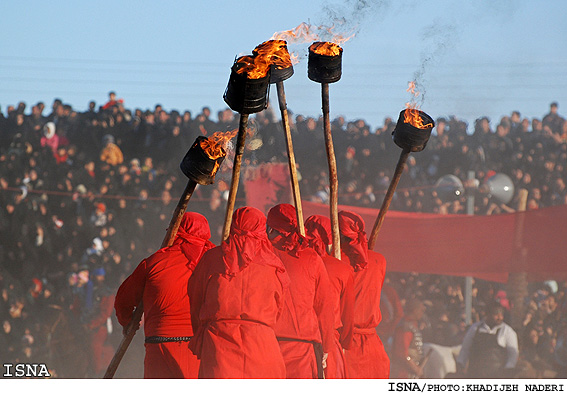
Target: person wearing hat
point(367, 358)
point(236, 295)
point(319, 237)
point(99, 217)
point(305, 329)
point(160, 281)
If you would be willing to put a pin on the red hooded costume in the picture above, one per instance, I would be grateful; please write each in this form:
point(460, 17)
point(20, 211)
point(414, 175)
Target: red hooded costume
point(318, 234)
point(307, 319)
point(162, 281)
point(366, 359)
point(236, 296)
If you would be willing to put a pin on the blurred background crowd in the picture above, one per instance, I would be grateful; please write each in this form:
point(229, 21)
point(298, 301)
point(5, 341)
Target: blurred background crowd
point(85, 196)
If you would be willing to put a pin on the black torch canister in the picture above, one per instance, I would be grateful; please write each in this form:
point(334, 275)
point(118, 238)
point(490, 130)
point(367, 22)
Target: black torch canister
point(411, 134)
point(325, 66)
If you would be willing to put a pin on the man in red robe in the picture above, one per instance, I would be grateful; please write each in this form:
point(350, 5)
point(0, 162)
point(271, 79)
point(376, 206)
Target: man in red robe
point(366, 359)
point(236, 296)
point(307, 320)
point(319, 237)
point(162, 281)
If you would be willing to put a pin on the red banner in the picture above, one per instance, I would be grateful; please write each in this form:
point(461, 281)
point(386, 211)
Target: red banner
point(488, 247)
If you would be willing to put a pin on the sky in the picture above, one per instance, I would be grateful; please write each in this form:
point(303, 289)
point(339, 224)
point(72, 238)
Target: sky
point(470, 58)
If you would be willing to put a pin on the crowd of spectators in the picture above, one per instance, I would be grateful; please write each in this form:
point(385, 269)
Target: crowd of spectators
point(94, 191)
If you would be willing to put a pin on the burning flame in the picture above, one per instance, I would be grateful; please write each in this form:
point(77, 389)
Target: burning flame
point(253, 67)
point(413, 117)
point(301, 34)
point(308, 33)
point(412, 114)
point(273, 52)
point(326, 48)
point(215, 146)
point(412, 88)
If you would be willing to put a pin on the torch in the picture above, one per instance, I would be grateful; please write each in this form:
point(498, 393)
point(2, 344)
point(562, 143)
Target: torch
point(281, 69)
point(200, 165)
point(246, 93)
point(324, 66)
point(411, 134)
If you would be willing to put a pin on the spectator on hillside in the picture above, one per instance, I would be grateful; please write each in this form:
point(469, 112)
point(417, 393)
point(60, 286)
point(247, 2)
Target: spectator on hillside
point(111, 153)
point(50, 139)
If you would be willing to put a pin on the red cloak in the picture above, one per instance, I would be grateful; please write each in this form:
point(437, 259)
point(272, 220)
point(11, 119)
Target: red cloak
point(236, 296)
point(307, 319)
point(366, 359)
point(161, 280)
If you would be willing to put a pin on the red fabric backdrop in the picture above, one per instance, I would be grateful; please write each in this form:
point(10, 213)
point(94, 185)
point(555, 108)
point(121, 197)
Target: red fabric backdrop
point(486, 247)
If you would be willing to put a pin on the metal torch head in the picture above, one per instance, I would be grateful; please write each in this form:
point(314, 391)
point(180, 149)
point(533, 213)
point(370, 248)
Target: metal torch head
point(325, 62)
point(280, 75)
point(246, 95)
point(198, 166)
point(276, 54)
point(413, 130)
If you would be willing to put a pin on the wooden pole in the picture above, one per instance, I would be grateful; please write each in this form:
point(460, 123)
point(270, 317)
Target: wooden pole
point(178, 214)
point(333, 178)
point(471, 177)
point(137, 316)
point(291, 158)
point(388, 198)
point(518, 280)
point(240, 142)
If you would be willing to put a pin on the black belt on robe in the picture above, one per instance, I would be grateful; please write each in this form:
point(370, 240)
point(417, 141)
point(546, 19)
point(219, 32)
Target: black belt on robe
point(317, 348)
point(163, 339)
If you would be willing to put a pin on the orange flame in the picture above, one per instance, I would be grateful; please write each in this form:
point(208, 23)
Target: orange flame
point(326, 48)
point(308, 33)
point(412, 88)
point(215, 146)
point(253, 67)
point(412, 114)
point(413, 117)
point(301, 34)
point(273, 52)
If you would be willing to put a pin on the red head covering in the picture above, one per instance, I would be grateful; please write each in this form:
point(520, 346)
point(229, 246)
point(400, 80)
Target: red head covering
point(351, 226)
point(248, 243)
point(283, 219)
point(193, 237)
point(318, 233)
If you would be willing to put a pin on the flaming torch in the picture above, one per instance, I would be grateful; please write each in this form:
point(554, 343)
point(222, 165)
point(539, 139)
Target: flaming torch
point(246, 93)
point(276, 53)
point(200, 165)
point(325, 66)
point(411, 134)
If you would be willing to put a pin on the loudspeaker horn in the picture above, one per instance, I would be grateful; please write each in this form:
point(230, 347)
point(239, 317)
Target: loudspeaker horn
point(449, 187)
point(501, 187)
